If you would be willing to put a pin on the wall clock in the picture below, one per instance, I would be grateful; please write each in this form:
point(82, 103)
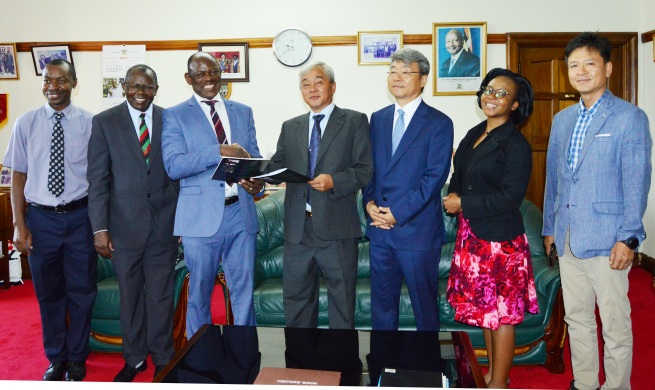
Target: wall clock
point(292, 47)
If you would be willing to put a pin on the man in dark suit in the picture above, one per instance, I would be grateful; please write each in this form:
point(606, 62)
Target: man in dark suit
point(412, 148)
point(216, 220)
point(461, 63)
point(235, 64)
point(321, 224)
point(132, 208)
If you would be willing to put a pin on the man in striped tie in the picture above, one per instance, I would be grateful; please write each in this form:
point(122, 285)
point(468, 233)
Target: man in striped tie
point(216, 220)
point(132, 204)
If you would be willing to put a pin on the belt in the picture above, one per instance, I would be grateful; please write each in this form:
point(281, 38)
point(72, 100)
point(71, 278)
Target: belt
point(231, 200)
point(63, 208)
point(308, 213)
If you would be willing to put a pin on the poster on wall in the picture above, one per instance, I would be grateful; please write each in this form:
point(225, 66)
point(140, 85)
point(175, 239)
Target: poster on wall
point(116, 60)
point(460, 57)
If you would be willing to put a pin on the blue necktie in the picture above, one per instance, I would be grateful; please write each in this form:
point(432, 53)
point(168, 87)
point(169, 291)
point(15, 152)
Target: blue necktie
point(313, 147)
point(398, 131)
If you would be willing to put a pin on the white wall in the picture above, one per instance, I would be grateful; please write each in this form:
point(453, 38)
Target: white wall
point(273, 89)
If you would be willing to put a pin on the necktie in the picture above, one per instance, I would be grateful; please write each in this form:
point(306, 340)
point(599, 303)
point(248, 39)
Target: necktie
point(144, 137)
point(218, 126)
point(56, 170)
point(452, 63)
point(398, 131)
point(314, 142)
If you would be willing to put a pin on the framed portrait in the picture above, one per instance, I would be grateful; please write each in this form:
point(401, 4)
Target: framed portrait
point(459, 57)
point(375, 47)
point(8, 62)
point(42, 55)
point(232, 59)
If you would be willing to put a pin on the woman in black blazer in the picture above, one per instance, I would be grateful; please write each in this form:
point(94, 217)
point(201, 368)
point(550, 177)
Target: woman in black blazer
point(491, 282)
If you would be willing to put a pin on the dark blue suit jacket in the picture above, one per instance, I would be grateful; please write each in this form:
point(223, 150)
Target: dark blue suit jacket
point(410, 182)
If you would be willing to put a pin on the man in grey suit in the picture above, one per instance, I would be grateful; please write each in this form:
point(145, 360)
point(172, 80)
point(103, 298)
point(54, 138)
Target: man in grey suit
point(598, 173)
point(321, 224)
point(132, 205)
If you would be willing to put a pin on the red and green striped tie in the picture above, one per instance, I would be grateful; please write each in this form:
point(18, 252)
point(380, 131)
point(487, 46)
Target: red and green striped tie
point(144, 138)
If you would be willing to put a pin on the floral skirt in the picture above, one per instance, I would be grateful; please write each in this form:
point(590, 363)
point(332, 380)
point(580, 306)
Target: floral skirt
point(491, 283)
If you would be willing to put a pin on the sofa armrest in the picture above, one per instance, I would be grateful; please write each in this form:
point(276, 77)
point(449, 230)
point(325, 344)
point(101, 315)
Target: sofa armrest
point(547, 281)
point(105, 269)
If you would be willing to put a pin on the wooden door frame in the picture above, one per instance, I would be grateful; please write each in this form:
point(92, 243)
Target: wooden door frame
point(624, 41)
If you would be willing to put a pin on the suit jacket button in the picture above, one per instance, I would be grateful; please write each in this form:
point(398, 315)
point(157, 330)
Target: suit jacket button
point(148, 195)
point(148, 171)
point(384, 198)
point(221, 184)
point(470, 187)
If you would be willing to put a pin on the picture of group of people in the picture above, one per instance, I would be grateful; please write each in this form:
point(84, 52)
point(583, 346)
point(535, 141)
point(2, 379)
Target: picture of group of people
point(382, 49)
point(228, 62)
point(7, 62)
point(46, 56)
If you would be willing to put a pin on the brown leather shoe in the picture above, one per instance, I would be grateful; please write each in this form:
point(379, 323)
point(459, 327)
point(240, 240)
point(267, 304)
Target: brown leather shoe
point(75, 371)
point(55, 372)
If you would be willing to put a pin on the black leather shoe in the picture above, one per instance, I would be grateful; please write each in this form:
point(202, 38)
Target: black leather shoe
point(158, 368)
point(55, 372)
point(127, 373)
point(75, 371)
point(572, 387)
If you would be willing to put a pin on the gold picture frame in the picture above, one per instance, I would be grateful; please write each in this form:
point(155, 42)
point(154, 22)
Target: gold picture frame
point(459, 71)
point(375, 47)
point(8, 62)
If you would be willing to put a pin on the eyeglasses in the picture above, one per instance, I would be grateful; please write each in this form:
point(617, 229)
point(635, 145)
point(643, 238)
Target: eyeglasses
point(403, 73)
point(139, 87)
point(498, 93)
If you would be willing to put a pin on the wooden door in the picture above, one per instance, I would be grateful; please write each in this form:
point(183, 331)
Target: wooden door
point(540, 58)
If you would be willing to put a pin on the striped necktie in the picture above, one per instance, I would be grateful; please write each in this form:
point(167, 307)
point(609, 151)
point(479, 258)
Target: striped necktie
point(56, 169)
point(144, 138)
point(218, 126)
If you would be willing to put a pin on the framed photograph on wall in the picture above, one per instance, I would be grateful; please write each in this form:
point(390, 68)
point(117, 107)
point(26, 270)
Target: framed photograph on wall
point(375, 47)
point(8, 61)
point(459, 57)
point(42, 55)
point(232, 59)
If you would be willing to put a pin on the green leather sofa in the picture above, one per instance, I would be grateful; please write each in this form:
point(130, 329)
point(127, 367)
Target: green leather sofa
point(539, 339)
point(106, 332)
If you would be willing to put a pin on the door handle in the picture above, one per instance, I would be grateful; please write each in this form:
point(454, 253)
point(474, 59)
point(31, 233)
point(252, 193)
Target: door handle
point(569, 96)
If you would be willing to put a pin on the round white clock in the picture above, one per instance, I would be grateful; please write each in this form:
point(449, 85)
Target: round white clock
point(292, 47)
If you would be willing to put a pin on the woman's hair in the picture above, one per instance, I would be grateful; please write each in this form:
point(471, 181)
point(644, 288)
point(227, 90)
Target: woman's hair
point(524, 94)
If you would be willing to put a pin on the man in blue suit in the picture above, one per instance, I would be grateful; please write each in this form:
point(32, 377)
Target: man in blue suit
point(598, 174)
point(412, 148)
point(217, 221)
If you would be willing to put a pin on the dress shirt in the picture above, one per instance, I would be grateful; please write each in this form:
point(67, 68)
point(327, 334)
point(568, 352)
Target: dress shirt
point(409, 109)
point(219, 106)
point(327, 111)
point(29, 152)
point(585, 117)
point(136, 120)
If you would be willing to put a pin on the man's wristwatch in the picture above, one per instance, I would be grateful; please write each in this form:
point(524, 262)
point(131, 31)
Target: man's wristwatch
point(631, 243)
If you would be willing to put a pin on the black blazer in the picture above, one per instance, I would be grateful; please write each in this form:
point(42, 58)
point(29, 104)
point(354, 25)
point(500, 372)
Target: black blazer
point(494, 184)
